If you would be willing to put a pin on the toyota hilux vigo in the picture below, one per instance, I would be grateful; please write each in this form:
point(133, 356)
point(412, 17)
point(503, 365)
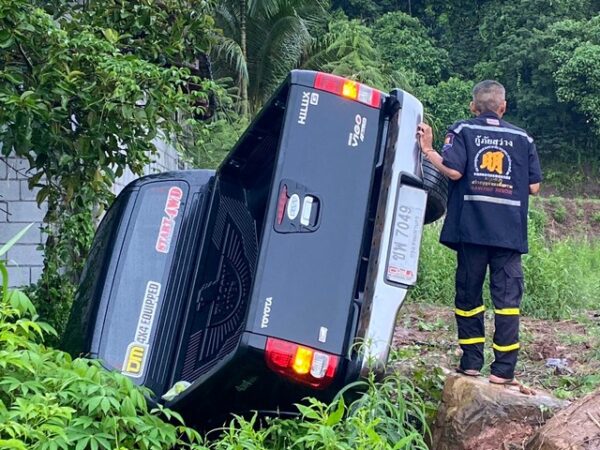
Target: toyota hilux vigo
point(277, 276)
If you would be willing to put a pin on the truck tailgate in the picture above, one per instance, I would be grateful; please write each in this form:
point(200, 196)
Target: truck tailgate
point(313, 233)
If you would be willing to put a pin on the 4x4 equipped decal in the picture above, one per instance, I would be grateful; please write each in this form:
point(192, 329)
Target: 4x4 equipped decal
point(137, 351)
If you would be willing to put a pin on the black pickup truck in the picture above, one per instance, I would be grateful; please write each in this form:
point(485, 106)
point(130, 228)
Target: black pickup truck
point(279, 275)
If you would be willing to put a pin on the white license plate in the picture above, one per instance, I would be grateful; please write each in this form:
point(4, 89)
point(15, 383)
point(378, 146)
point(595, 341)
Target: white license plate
point(405, 239)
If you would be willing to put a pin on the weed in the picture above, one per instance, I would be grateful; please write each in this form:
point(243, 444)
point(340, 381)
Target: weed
point(560, 214)
point(560, 277)
point(571, 386)
point(596, 217)
point(439, 324)
point(572, 339)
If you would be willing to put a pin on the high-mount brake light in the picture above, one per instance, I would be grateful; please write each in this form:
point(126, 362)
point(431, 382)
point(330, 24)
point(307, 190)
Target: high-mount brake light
point(348, 89)
point(303, 364)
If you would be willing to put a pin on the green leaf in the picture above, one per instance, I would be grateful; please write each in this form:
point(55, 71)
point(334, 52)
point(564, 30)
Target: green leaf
point(405, 441)
point(111, 35)
point(14, 239)
point(338, 413)
point(7, 42)
point(93, 403)
point(82, 443)
point(12, 444)
point(19, 300)
point(42, 195)
point(307, 411)
point(26, 94)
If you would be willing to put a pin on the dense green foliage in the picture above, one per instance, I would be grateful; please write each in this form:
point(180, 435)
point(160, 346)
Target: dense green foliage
point(389, 416)
point(545, 53)
point(49, 401)
point(561, 277)
point(87, 87)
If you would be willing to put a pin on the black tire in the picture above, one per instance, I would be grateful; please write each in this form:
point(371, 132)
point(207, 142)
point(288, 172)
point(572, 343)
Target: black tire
point(436, 185)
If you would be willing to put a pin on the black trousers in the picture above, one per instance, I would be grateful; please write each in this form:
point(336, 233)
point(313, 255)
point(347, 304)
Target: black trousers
point(506, 289)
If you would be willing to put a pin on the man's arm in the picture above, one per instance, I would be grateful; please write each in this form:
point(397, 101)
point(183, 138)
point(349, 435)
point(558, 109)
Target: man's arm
point(426, 143)
point(535, 172)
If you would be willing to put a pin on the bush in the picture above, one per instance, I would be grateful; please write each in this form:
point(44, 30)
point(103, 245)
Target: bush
point(390, 415)
point(49, 401)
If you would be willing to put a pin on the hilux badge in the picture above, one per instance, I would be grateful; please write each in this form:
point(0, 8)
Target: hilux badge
point(304, 108)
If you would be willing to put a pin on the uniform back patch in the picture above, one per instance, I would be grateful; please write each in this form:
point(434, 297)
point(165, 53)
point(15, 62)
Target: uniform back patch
point(495, 122)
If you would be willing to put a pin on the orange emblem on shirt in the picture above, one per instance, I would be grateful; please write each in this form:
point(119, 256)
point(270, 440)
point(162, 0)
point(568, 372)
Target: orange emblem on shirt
point(493, 162)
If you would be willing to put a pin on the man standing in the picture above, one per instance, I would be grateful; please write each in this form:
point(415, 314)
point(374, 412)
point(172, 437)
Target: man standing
point(493, 167)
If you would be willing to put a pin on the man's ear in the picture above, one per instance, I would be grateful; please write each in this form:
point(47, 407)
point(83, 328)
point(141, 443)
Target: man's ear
point(473, 108)
point(502, 109)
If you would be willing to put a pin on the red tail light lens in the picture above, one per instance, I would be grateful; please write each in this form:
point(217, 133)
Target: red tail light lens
point(302, 364)
point(282, 201)
point(348, 88)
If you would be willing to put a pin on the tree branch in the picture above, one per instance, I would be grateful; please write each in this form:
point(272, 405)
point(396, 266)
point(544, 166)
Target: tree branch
point(25, 56)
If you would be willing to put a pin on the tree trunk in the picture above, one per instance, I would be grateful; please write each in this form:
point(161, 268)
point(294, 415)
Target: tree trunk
point(243, 45)
point(575, 428)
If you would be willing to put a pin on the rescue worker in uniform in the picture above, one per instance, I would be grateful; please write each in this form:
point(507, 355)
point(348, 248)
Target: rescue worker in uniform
point(493, 167)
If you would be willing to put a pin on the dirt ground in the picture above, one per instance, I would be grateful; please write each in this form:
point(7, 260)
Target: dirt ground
point(574, 218)
point(561, 357)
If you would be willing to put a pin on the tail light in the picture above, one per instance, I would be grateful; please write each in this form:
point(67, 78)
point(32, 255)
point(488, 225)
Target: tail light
point(281, 202)
point(348, 89)
point(302, 364)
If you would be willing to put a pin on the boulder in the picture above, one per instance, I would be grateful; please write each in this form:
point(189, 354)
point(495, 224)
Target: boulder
point(575, 428)
point(477, 415)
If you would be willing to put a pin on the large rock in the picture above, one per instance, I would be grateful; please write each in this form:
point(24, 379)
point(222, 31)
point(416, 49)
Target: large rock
point(575, 428)
point(477, 415)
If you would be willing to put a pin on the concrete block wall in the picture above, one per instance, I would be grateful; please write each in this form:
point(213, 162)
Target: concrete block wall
point(166, 159)
point(18, 208)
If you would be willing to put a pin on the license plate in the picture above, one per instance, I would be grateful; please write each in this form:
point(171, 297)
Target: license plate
point(405, 239)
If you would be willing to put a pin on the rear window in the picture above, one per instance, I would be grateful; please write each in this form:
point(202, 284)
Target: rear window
point(92, 277)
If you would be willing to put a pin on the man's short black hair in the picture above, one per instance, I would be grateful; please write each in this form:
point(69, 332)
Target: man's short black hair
point(488, 96)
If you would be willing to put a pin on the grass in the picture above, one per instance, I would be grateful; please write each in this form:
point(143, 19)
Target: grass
point(389, 415)
point(560, 278)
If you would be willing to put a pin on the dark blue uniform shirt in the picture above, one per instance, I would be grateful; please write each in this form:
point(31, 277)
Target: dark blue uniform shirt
point(488, 205)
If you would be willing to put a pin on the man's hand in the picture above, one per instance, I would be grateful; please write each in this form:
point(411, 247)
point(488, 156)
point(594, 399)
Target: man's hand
point(425, 137)
point(534, 188)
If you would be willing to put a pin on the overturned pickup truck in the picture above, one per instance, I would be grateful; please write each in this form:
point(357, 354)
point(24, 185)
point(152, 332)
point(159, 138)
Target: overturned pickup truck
point(279, 275)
